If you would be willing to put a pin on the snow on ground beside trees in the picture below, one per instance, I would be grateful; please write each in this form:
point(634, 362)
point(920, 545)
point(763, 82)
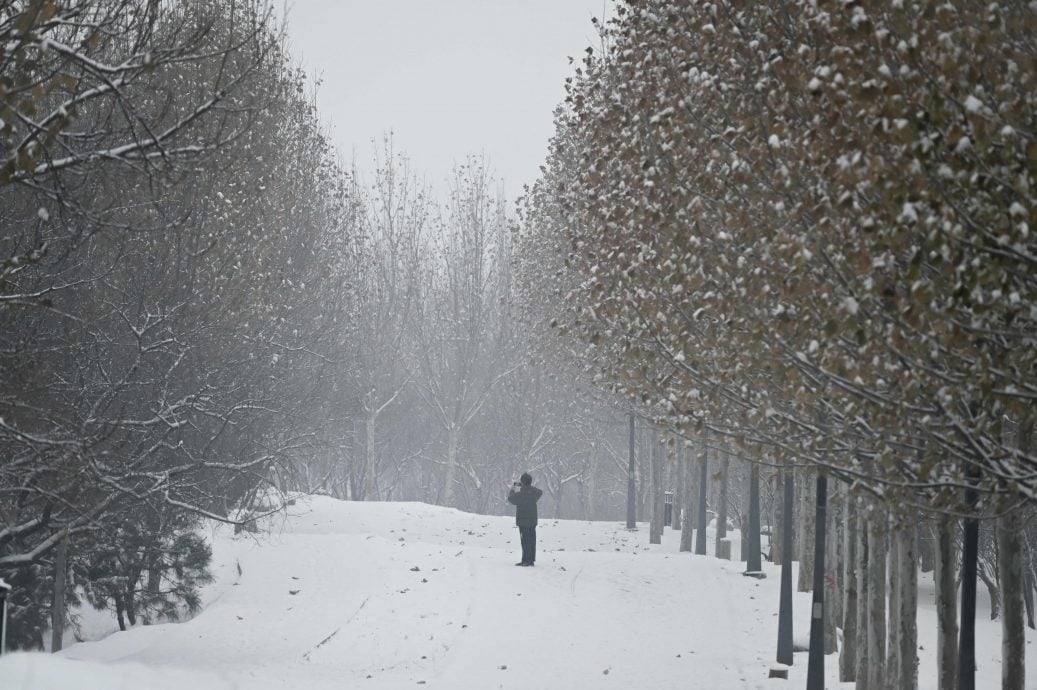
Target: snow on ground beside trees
point(391, 595)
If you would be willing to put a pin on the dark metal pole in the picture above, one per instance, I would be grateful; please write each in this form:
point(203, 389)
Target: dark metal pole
point(816, 661)
point(753, 564)
point(703, 519)
point(631, 485)
point(970, 552)
point(785, 607)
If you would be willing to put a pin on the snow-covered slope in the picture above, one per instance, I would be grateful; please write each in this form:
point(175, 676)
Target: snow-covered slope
point(394, 595)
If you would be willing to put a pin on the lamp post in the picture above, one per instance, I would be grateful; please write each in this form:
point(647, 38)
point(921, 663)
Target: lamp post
point(785, 601)
point(816, 660)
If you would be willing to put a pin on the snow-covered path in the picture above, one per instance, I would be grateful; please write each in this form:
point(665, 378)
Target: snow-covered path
point(582, 617)
point(393, 595)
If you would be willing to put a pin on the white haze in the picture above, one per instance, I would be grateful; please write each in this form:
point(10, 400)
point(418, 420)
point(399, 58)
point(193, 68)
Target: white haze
point(449, 78)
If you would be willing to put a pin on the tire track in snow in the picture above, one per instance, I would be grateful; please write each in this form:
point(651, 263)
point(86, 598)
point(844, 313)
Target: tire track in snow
point(572, 584)
point(336, 631)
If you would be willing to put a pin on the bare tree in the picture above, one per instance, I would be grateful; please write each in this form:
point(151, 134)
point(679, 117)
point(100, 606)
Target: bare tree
point(459, 344)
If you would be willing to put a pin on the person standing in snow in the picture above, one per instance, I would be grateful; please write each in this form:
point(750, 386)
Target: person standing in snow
point(524, 497)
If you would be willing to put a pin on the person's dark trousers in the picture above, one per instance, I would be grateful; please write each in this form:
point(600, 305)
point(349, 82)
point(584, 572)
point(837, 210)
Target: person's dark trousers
point(529, 544)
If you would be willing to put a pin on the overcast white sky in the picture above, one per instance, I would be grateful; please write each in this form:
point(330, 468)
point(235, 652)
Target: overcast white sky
point(448, 77)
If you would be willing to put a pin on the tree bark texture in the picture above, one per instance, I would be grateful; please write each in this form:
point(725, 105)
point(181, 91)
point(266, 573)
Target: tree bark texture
point(905, 616)
point(451, 465)
point(832, 580)
point(677, 456)
point(57, 604)
point(370, 457)
point(946, 606)
point(778, 534)
point(743, 523)
point(1013, 627)
point(688, 514)
point(877, 598)
point(703, 518)
point(893, 592)
point(1028, 588)
point(655, 527)
point(721, 532)
point(753, 563)
point(848, 657)
point(863, 558)
point(631, 480)
point(805, 535)
point(969, 575)
point(991, 583)
point(590, 506)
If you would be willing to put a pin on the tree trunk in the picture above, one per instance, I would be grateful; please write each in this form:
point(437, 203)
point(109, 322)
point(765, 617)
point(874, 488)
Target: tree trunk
point(1013, 629)
point(778, 533)
point(926, 550)
point(703, 519)
point(590, 506)
point(678, 490)
point(904, 617)
point(1028, 587)
point(451, 464)
point(688, 513)
point(805, 538)
point(743, 525)
point(832, 579)
point(154, 579)
point(876, 598)
point(753, 563)
point(57, 604)
point(631, 480)
point(993, 591)
point(848, 657)
point(969, 562)
point(131, 601)
point(863, 561)
point(119, 608)
point(893, 592)
point(721, 532)
point(946, 606)
point(371, 458)
point(154, 585)
point(655, 527)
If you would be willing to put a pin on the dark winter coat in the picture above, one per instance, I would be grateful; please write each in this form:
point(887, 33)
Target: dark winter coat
point(525, 501)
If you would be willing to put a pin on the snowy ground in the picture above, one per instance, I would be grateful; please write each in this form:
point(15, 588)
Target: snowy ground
point(391, 595)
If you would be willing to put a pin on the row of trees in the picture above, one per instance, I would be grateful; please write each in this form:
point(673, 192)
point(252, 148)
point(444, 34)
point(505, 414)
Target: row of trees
point(805, 228)
point(175, 234)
